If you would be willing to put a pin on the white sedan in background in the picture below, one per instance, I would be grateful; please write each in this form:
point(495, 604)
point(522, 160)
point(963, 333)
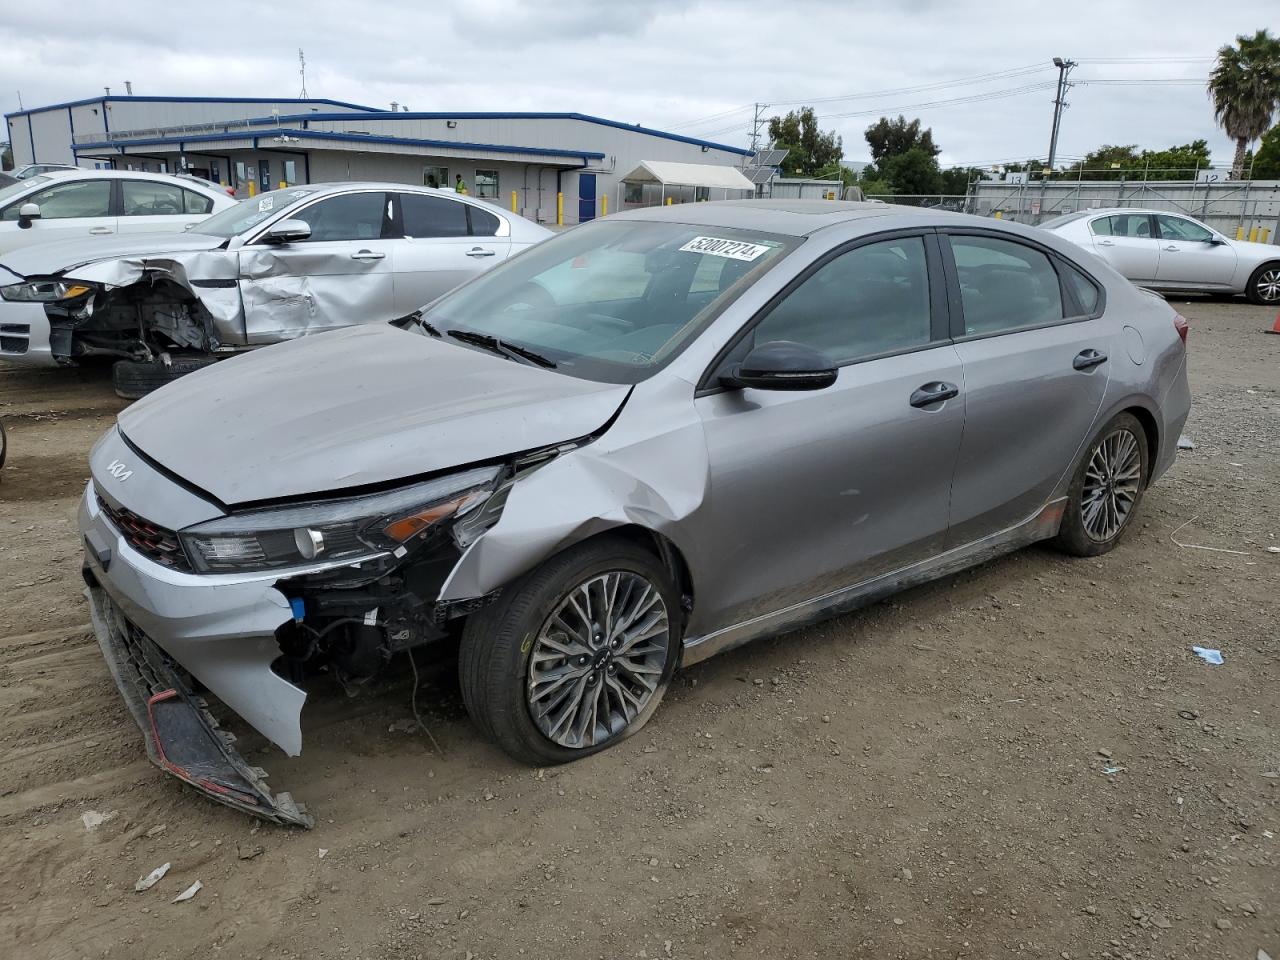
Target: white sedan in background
point(80, 204)
point(1172, 252)
point(284, 264)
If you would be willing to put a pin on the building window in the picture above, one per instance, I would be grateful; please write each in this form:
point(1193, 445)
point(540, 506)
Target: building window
point(701, 193)
point(215, 172)
point(487, 183)
point(264, 174)
point(241, 173)
point(633, 193)
point(436, 177)
point(291, 172)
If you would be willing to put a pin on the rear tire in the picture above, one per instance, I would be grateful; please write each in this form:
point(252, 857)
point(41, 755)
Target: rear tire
point(1264, 285)
point(134, 379)
point(1106, 490)
point(513, 674)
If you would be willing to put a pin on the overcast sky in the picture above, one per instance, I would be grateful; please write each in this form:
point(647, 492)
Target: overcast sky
point(666, 63)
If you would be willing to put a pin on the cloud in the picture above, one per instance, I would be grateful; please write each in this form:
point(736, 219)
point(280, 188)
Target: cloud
point(663, 63)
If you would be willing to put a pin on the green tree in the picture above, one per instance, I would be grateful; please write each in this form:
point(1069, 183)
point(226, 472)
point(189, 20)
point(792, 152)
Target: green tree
point(955, 182)
point(810, 149)
point(890, 138)
point(1266, 164)
point(1244, 87)
point(1176, 163)
point(914, 171)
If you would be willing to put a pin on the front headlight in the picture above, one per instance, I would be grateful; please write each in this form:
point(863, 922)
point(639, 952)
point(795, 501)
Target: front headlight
point(350, 530)
point(44, 291)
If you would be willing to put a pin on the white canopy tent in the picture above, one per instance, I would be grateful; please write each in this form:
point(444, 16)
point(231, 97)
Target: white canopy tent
point(708, 176)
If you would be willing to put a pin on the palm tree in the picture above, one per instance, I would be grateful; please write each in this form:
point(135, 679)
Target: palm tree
point(1245, 89)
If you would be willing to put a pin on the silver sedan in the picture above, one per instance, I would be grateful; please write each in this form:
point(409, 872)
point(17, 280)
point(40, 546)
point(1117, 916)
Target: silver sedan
point(1172, 252)
point(647, 440)
point(280, 265)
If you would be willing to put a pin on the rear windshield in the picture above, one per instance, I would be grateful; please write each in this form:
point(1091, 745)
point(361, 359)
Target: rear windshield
point(612, 300)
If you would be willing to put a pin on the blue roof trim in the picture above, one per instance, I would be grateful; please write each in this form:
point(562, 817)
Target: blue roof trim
point(347, 137)
point(585, 118)
point(141, 99)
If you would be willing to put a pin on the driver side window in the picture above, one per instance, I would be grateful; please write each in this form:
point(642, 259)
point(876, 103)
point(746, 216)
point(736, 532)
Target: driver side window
point(872, 300)
point(86, 198)
point(352, 216)
point(1176, 228)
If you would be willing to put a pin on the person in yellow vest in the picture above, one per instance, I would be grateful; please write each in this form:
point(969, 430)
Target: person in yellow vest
point(460, 185)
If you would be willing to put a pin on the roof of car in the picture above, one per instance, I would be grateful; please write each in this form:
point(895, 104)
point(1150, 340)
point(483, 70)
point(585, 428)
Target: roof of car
point(78, 172)
point(795, 218)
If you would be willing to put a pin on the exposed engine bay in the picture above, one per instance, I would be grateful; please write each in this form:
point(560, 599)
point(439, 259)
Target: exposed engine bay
point(137, 322)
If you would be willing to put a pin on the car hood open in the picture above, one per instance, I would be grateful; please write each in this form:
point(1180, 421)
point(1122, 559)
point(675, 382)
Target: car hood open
point(65, 256)
point(366, 405)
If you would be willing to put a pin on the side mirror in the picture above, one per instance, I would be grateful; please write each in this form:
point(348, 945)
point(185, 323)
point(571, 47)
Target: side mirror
point(1215, 241)
point(28, 213)
point(288, 231)
point(783, 365)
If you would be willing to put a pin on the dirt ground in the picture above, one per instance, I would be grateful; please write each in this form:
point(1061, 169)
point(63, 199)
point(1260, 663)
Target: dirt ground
point(1026, 760)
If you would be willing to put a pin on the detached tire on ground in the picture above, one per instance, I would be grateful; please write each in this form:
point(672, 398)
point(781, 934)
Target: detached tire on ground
point(1106, 489)
point(576, 655)
point(134, 379)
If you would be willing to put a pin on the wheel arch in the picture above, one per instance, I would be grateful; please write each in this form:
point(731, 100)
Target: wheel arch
point(1151, 427)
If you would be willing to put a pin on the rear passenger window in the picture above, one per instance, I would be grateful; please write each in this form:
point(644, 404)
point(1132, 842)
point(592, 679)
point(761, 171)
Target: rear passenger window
point(145, 198)
point(1005, 285)
point(196, 203)
point(483, 223)
point(1084, 290)
point(871, 300)
point(428, 216)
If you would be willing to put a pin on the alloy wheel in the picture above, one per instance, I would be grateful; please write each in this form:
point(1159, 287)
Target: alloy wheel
point(1111, 482)
point(1268, 285)
point(598, 659)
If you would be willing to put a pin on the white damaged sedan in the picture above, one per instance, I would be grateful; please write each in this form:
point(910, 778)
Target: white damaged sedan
point(274, 267)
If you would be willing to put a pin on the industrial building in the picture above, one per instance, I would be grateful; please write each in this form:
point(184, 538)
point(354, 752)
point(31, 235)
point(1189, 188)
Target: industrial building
point(523, 161)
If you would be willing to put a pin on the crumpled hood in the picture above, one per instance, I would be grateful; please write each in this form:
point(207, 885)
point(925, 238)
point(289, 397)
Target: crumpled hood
point(65, 256)
point(365, 405)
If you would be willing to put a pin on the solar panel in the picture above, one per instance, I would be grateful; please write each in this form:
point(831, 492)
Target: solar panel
point(770, 158)
point(760, 174)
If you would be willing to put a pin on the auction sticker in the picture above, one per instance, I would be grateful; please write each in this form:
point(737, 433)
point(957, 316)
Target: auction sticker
point(719, 247)
point(266, 203)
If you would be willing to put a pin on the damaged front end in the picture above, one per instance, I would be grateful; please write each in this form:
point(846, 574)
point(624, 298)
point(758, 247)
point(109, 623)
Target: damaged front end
point(253, 603)
point(125, 308)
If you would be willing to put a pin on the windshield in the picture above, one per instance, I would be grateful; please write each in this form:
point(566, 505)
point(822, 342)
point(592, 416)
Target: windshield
point(22, 186)
point(247, 214)
point(611, 300)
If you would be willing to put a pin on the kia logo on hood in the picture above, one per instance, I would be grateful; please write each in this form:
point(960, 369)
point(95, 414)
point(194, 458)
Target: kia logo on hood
point(119, 470)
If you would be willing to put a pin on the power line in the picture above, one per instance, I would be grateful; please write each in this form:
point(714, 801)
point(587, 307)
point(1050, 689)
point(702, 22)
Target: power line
point(714, 116)
point(950, 101)
point(921, 88)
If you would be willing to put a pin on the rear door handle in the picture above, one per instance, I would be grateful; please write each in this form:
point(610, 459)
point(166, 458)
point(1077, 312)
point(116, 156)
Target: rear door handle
point(481, 252)
point(1106, 243)
point(367, 255)
point(98, 231)
point(932, 393)
point(1172, 249)
point(1088, 359)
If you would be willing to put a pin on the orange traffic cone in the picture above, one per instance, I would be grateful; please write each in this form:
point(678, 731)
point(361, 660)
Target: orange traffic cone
point(1276, 327)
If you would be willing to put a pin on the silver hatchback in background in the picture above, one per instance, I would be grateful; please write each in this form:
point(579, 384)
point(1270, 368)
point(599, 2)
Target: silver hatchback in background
point(647, 440)
point(284, 264)
point(1172, 252)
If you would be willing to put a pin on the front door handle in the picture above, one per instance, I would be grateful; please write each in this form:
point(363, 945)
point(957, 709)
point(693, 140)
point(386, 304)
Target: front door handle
point(1106, 243)
point(481, 252)
point(932, 393)
point(98, 231)
point(367, 255)
point(1172, 249)
point(1088, 359)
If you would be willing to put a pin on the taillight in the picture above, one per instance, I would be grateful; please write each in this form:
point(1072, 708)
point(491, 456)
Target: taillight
point(1180, 324)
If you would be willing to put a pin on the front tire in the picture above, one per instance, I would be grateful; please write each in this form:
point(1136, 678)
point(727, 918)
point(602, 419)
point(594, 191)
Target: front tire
point(1264, 285)
point(1106, 489)
point(134, 379)
point(575, 656)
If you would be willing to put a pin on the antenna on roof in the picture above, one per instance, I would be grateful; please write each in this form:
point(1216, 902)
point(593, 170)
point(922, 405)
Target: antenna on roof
point(20, 106)
point(108, 89)
point(128, 88)
point(302, 72)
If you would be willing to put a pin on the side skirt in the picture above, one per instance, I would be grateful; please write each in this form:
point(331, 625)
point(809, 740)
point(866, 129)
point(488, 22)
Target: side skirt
point(1039, 527)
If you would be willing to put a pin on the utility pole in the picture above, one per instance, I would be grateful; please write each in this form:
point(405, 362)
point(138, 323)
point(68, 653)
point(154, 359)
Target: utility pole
point(302, 72)
point(1059, 102)
point(755, 127)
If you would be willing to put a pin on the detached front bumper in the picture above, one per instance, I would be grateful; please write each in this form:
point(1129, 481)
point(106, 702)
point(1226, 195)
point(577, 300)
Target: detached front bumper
point(156, 625)
point(24, 335)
